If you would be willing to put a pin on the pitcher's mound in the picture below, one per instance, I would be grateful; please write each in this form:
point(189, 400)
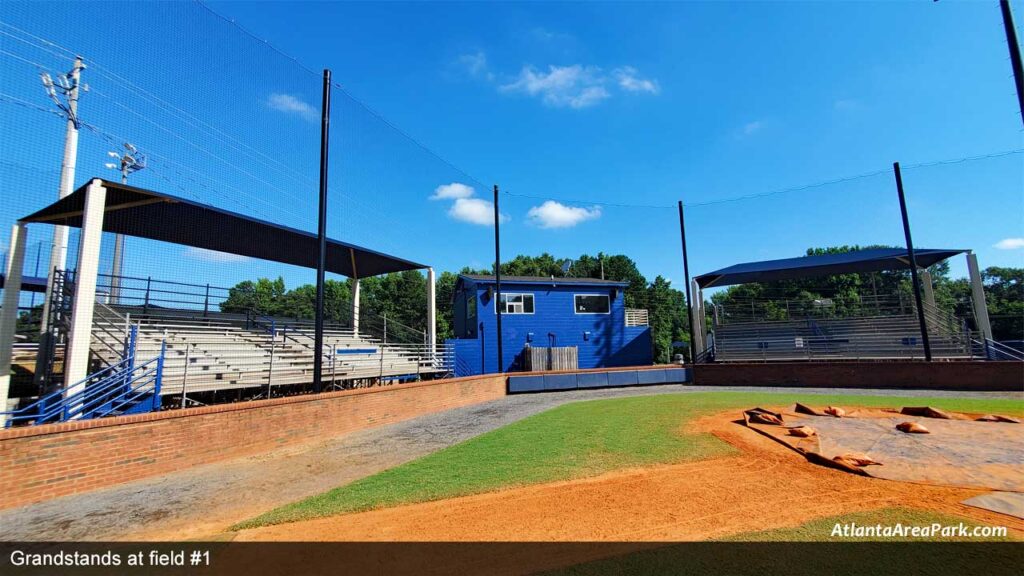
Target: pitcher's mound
point(937, 447)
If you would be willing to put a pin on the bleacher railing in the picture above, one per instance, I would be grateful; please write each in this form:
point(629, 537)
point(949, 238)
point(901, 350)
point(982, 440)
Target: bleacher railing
point(781, 310)
point(866, 327)
point(150, 295)
point(110, 391)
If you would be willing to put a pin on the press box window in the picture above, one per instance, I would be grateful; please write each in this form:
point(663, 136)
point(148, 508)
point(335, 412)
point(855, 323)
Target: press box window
point(592, 304)
point(516, 303)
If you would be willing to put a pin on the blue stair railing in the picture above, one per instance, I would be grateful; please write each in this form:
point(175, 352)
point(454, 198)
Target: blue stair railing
point(122, 388)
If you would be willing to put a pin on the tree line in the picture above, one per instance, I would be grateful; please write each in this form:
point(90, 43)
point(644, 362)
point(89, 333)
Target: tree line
point(401, 296)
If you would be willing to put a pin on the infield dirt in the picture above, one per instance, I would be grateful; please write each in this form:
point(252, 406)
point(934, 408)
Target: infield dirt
point(765, 486)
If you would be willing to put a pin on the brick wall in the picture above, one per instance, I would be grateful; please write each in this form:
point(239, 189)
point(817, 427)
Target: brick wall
point(970, 376)
point(43, 462)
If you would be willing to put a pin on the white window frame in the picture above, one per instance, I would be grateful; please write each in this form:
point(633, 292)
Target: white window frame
point(505, 311)
point(576, 310)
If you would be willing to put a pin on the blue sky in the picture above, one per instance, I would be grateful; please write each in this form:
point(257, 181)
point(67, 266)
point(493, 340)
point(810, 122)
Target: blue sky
point(602, 103)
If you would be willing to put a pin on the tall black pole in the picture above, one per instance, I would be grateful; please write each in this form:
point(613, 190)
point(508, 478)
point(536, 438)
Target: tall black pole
point(686, 274)
point(913, 264)
point(1014, 46)
point(321, 235)
point(497, 275)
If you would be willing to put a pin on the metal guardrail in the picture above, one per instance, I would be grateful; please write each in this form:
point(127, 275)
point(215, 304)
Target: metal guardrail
point(151, 294)
point(851, 347)
point(109, 391)
point(773, 309)
point(989, 349)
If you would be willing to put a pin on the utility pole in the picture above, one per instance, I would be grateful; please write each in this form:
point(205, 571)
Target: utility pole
point(497, 276)
point(1014, 46)
point(913, 263)
point(131, 161)
point(68, 87)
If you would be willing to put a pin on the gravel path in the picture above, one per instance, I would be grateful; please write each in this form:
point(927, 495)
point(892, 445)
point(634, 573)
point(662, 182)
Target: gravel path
point(205, 500)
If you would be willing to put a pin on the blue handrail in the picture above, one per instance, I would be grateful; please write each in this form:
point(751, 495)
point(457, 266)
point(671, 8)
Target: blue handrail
point(109, 390)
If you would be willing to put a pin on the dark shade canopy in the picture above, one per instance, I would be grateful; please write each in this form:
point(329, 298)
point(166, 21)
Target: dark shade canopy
point(146, 214)
point(28, 283)
point(870, 260)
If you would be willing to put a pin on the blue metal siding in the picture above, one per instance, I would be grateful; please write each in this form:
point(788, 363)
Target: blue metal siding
point(546, 382)
point(602, 340)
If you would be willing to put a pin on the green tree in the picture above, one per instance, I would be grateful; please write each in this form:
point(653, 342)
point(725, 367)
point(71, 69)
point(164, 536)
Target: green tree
point(848, 293)
point(445, 298)
point(666, 311)
point(1004, 291)
point(264, 296)
point(402, 298)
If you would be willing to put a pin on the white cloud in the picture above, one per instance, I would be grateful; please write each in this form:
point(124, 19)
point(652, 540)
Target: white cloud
point(553, 214)
point(475, 211)
point(292, 105)
point(846, 104)
point(452, 191)
point(1009, 244)
point(476, 65)
point(213, 256)
point(751, 128)
point(574, 86)
point(629, 80)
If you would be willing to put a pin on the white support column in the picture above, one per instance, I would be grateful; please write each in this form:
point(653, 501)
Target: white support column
point(431, 312)
point(76, 365)
point(702, 323)
point(697, 306)
point(928, 289)
point(355, 306)
point(9, 313)
point(978, 296)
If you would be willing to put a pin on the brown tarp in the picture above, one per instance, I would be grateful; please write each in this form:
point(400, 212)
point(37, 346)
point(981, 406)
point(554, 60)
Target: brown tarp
point(960, 451)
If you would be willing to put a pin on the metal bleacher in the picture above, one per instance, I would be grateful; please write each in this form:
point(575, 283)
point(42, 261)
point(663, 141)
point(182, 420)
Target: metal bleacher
point(207, 350)
point(883, 330)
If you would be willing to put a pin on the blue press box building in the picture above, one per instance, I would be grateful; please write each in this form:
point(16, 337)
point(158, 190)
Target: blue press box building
point(585, 313)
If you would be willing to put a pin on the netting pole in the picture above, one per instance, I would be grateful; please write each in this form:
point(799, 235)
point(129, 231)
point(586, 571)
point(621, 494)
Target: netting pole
point(321, 253)
point(497, 275)
point(1014, 46)
point(913, 264)
point(689, 298)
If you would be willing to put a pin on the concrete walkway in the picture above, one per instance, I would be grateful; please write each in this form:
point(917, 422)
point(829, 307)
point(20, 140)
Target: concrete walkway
point(205, 500)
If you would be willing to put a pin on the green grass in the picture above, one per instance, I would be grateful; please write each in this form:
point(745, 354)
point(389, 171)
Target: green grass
point(780, 551)
point(574, 440)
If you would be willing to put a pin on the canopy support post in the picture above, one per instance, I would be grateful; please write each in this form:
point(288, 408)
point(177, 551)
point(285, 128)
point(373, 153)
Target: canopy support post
point(76, 361)
point(978, 297)
point(355, 306)
point(431, 315)
point(9, 313)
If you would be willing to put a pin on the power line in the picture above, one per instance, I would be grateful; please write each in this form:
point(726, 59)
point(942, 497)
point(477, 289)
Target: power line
point(70, 53)
point(33, 44)
point(25, 60)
